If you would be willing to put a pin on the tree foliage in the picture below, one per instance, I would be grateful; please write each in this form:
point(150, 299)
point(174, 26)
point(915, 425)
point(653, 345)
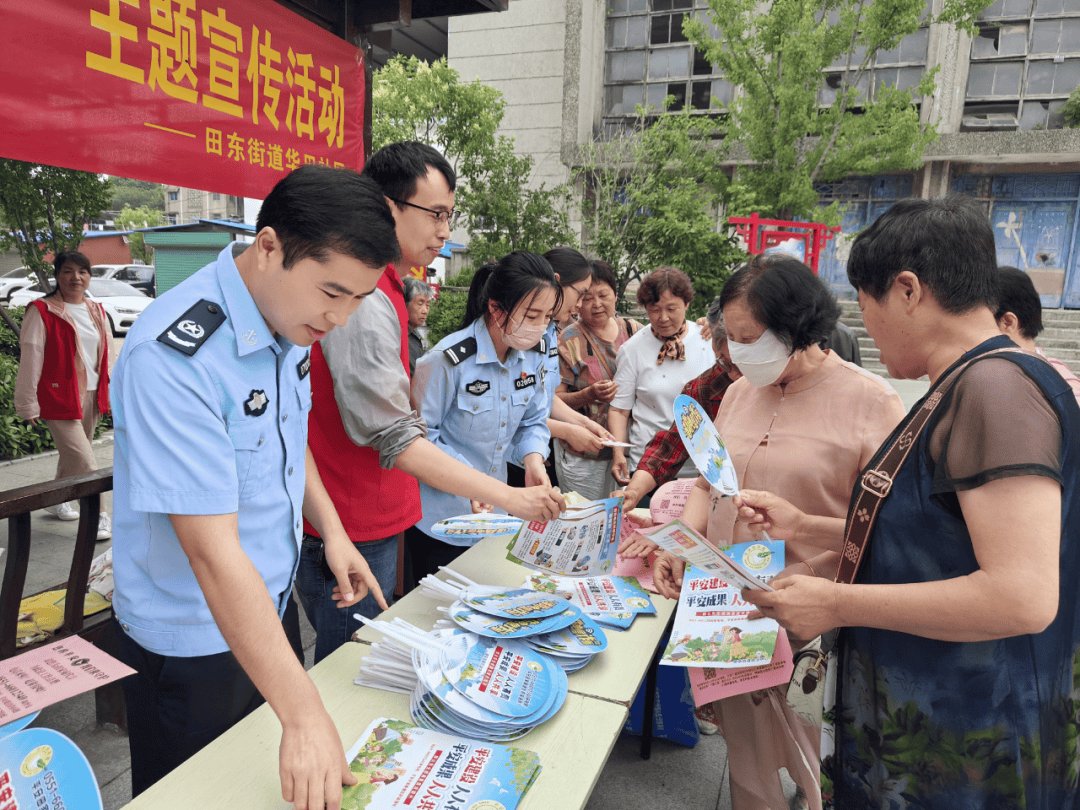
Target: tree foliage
point(136, 194)
point(783, 62)
point(653, 192)
point(142, 217)
point(45, 209)
point(414, 100)
point(1070, 110)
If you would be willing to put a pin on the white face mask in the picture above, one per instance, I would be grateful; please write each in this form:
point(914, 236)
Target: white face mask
point(761, 362)
point(524, 336)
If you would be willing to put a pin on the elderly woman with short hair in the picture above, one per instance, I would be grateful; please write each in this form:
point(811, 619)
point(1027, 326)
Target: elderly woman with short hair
point(653, 366)
point(417, 303)
point(960, 640)
point(802, 422)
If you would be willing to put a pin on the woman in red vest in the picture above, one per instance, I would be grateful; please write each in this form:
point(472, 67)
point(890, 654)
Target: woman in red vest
point(64, 372)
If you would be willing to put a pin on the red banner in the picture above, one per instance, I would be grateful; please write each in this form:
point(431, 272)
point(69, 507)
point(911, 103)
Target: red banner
point(222, 95)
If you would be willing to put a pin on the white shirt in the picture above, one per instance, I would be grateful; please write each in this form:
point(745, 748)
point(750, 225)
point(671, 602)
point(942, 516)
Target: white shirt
point(89, 342)
point(648, 390)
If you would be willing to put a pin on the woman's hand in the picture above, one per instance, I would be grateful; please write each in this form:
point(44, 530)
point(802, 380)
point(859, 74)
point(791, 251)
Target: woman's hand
point(480, 508)
point(583, 440)
point(620, 470)
point(667, 574)
point(637, 545)
point(765, 512)
point(804, 606)
point(536, 503)
point(535, 472)
point(603, 390)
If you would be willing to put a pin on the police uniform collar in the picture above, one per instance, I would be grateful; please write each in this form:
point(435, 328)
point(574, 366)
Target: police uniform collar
point(485, 347)
point(249, 327)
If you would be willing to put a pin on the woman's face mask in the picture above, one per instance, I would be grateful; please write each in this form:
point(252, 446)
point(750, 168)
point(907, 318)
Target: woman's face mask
point(524, 336)
point(762, 362)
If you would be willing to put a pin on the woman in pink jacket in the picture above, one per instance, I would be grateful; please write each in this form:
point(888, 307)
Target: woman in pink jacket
point(64, 372)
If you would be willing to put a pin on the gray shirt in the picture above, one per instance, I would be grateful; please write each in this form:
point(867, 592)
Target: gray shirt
point(371, 387)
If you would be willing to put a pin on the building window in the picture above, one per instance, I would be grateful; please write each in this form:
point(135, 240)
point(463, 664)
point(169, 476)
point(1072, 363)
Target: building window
point(649, 59)
point(1025, 60)
point(902, 67)
point(174, 196)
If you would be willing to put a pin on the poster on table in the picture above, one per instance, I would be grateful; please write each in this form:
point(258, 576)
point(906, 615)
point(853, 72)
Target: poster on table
point(596, 594)
point(46, 675)
point(402, 765)
point(581, 542)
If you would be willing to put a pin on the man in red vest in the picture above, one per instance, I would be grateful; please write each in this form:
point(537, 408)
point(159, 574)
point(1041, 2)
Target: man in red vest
point(368, 442)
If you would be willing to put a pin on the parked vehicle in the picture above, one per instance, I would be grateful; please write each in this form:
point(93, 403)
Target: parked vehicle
point(122, 302)
point(12, 281)
point(139, 276)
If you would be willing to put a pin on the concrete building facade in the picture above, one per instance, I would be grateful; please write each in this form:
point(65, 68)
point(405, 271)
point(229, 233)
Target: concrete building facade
point(570, 69)
point(183, 205)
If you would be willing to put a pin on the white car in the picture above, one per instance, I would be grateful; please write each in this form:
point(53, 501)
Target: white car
point(122, 302)
point(12, 281)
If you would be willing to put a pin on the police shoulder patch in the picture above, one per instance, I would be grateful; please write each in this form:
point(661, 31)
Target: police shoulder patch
point(460, 351)
point(192, 329)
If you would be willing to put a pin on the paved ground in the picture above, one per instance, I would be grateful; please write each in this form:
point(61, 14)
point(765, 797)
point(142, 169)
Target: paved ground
point(675, 777)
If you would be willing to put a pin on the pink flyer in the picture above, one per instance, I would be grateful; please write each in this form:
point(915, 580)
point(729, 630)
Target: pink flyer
point(709, 684)
point(49, 674)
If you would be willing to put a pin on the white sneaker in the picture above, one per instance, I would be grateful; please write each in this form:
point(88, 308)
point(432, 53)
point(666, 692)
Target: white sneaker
point(104, 527)
point(63, 511)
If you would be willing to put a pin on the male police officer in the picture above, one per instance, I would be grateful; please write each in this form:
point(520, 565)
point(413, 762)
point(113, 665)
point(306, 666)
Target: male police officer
point(211, 395)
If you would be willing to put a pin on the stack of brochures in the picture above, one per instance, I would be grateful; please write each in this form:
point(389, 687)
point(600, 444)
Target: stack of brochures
point(611, 601)
point(398, 764)
point(462, 683)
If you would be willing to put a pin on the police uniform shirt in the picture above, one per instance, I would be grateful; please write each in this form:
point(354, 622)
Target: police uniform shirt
point(549, 348)
point(479, 410)
point(210, 413)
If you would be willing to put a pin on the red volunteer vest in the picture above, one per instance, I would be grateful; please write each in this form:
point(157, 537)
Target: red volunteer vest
point(58, 389)
point(372, 503)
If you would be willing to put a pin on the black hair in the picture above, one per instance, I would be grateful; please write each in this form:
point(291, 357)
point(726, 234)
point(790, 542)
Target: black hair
point(398, 166)
point(602, 272)
point(784, 295)
point(570, 265)
point(73, 256)
point(947, 242)
point(316, 209)
point(414, 287)
point(715, 314)
point(508, 282)
point(1017, 294)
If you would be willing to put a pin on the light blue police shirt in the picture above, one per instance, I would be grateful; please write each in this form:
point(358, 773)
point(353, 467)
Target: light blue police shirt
point(218, 428)
point(549, 348)
point(479, 410)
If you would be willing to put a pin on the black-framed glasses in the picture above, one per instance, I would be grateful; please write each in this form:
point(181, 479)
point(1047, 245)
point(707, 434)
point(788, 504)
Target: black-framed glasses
point(450, 217)
point(580, 294)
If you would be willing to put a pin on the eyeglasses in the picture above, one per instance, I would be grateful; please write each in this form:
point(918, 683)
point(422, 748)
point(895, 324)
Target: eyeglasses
point(580, 294)
point(450, 217)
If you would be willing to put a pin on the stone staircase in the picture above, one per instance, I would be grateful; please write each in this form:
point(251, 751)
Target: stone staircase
point(1060, 337)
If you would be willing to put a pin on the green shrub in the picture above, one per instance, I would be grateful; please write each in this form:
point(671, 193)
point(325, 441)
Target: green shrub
point(17, 438)
point(446, 313)
point(9, 341)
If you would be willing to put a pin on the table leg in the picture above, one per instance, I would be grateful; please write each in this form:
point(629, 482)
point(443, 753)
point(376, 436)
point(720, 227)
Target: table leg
point(649, 708)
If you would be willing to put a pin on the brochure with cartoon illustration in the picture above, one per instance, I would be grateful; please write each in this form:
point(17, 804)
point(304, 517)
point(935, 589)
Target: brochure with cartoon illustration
point(402, 765)
point(596, 595)
point(747, 565)
point(712, 628)
point(711, 683)
point(581, 542)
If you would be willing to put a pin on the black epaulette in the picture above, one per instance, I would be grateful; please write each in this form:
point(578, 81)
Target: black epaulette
point(192, 329)
point(541, 347)
point(461, 351)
